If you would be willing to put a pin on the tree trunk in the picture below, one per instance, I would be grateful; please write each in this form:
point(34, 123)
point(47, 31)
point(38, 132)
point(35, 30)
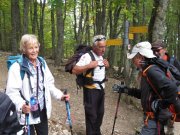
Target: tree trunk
point(100, 17)
point(87, 33)
point(35, 16)
point(114, 17)
point(60, 33)
point(103, 17)
point(41, 28)
point(75, 22)
point(2, 31)
point(178, 43)
point(53, 32)
point(25, 18)
point(14, 21)
point(157, 23)
point(80, 28)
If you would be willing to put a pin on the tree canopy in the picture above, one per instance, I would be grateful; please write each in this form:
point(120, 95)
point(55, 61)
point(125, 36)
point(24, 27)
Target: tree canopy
point(63, 24)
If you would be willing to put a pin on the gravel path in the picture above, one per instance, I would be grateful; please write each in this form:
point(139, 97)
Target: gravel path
point(129, 117)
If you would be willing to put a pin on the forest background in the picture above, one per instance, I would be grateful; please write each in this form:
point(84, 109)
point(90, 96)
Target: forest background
point(61, 25)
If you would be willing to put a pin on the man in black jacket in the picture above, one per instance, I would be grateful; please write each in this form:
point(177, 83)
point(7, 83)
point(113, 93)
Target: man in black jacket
point(157, 92)
point(159, 49)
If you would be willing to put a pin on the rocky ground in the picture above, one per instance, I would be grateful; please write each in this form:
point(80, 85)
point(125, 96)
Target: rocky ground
point(129, 117)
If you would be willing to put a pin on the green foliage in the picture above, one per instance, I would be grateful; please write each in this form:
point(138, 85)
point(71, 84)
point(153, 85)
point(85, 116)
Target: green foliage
point(128, 10)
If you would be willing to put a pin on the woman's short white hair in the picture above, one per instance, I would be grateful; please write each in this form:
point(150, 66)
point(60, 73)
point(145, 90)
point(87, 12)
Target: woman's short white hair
point(26, 40)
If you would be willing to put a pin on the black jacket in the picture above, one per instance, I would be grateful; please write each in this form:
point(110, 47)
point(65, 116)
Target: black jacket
point(166, 87)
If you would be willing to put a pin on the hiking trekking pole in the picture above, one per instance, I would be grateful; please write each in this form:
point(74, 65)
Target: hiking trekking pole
point(68, 112)
point(117, 87)
point(27, 121)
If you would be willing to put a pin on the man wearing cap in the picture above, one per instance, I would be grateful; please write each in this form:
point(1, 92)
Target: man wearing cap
point(154, 108)
point(94, 93)
point(159, 49)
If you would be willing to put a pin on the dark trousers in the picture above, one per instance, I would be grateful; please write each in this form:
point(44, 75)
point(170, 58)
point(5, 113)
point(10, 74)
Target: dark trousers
point(94, 110)
point(41, 128)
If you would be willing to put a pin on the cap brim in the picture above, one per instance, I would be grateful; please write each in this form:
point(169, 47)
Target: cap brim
point(130, 56)
point(147, 54)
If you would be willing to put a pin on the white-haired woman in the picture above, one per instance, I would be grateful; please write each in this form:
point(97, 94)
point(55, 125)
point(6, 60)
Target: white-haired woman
point(36, 86)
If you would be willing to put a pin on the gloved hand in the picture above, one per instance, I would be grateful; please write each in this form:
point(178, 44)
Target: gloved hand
point(155, 105)
point(120, 88)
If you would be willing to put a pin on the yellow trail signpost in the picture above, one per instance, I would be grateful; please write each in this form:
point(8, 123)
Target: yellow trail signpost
point(132, 31)
point(138, 29)
point(117, 41)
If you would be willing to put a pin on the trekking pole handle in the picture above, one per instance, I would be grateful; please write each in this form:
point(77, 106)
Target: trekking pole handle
point(27, 103)
point(65, 91)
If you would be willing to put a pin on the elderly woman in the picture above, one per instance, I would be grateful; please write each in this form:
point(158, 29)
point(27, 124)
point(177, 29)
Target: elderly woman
point(36, 87)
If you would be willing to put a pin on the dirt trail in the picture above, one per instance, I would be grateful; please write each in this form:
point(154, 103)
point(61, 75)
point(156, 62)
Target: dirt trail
point(129, 118)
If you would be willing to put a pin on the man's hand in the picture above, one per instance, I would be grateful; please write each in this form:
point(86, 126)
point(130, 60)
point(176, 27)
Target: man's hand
point(92, 64)
point(106, 63)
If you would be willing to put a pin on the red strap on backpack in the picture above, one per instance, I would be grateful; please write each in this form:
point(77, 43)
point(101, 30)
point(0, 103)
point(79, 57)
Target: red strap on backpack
point(176, 117)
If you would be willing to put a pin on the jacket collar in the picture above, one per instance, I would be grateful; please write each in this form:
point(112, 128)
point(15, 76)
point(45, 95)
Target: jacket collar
point(24, 66)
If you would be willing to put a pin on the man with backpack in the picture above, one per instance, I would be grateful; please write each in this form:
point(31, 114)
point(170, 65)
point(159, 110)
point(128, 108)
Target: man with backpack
point(159, 49)
point(157, 92)
point(93, 88)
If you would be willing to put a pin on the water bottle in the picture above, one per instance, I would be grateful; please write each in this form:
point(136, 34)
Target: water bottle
point(34, 107)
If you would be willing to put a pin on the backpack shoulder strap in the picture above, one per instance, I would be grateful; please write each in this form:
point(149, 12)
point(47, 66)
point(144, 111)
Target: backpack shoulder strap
point(93, 59)
point(42, 61)
point(149, 81)
point(146, 69)
point(22, 73)
point(92, 56)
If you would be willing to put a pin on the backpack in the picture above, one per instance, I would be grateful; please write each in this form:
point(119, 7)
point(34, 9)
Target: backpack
point(12, 59)
point(9, 123)
point(81, 79)
point(81, 49)
point(19, 58)
point(172, 73)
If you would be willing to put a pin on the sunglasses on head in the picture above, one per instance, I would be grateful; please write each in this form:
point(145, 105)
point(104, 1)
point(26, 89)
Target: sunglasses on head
point(100, 39)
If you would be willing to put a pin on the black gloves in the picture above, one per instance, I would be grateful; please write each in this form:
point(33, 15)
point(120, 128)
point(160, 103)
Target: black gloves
point(120, 88)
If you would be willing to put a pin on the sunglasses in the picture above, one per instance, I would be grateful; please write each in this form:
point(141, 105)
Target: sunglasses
point(100, 39)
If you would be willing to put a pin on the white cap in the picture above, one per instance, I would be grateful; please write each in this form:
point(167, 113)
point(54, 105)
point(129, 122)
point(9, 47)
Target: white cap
point(144, 48)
